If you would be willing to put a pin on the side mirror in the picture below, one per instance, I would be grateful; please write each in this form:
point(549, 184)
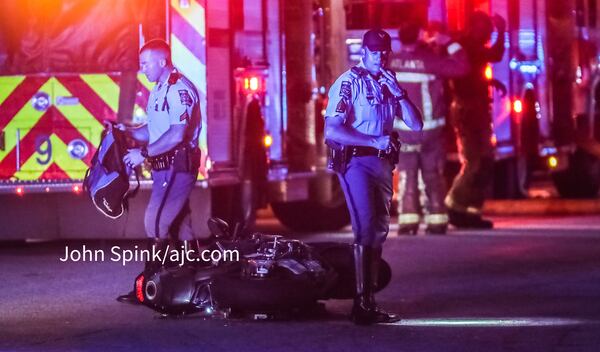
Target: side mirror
point(219, 228)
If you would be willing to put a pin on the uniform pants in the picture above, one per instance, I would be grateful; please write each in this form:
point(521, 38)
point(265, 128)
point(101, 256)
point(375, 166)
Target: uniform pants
point(168, 212)
point(422, 159)
point(473, 125)
point(367, 185)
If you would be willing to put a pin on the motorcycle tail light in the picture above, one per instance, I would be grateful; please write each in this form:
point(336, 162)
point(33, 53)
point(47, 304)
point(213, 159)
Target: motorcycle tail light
point(139, 288)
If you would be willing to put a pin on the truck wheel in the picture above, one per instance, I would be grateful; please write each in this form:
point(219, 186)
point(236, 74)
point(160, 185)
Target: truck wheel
point(311, 215)
point(581, 179)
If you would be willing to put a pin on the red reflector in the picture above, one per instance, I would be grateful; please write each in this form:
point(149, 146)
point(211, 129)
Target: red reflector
point(20, 191)
point(139, 288)
point(76, 189)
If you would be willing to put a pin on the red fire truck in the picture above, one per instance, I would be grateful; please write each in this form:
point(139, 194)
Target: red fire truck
point(548, 121)
point(546, 127)
point(68, 65)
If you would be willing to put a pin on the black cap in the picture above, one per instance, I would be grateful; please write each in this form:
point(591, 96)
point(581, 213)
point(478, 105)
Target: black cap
point(377, 40)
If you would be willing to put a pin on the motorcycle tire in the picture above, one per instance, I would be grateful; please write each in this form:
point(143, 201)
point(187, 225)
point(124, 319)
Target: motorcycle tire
point(340, 256)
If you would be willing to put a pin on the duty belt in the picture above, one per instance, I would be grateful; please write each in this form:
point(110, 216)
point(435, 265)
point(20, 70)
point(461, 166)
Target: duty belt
point(356, 150)
point(165, 160)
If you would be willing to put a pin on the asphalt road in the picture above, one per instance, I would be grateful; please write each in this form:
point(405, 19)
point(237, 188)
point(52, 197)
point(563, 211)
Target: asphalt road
point(533, 284)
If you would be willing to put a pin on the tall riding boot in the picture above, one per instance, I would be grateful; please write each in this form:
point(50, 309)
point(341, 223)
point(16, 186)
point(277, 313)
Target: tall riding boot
point(381, 316)
point(362, 310)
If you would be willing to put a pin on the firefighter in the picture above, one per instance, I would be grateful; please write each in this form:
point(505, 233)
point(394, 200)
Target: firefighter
point(472, 119)
point(422, 155)
point(170, 143)
point(359, 118)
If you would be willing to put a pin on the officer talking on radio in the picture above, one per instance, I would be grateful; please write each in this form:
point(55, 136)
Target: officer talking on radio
point(363, 103)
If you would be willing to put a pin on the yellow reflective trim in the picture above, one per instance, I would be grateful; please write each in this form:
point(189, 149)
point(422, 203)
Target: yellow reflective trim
point(408, 218)
point(74, 168)
point(191, 67)
point(8, 85)
point(144, 81)
point(106, 89)
point(24, 120)
point(436, 219)
point(32, 170)
point(193, 14)
point(78, 115)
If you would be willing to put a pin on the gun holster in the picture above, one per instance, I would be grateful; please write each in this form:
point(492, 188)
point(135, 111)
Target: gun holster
point(337, 157)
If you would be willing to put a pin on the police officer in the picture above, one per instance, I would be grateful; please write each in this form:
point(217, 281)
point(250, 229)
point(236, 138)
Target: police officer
point(473, 124)
point(422, 72)
point(363, 103)
point(170, 143)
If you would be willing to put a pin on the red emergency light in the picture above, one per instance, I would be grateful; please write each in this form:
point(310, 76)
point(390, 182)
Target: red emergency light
point(253, 84)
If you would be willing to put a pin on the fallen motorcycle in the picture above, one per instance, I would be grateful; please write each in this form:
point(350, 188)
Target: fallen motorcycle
point(273, 276)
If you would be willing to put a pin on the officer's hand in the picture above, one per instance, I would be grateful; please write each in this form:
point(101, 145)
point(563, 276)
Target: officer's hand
point(382, 142)
point(133, 157)
point(388, 79)
point(499, 23)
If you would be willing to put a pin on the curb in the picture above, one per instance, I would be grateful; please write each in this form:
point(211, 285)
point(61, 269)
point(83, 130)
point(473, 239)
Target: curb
point(547, 206)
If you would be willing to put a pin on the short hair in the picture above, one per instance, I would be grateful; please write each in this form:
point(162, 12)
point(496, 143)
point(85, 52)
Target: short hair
point(158, 45)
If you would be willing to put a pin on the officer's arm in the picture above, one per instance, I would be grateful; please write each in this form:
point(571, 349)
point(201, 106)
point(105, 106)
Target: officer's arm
point(140, 133)
point(168, 140)
point(411, 115)
point(337, 131)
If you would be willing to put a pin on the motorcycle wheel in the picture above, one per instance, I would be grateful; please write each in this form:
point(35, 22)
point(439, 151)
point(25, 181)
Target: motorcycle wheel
point(340, 256)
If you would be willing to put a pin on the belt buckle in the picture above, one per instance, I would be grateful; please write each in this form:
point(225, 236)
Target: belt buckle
point(381, 154)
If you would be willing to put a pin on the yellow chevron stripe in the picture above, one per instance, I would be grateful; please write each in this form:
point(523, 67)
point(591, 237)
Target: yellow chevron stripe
point(78, 115)
point(105, 87)
point(32, 170)
point(188, 64)
point(194, 15)
point(24, 120)
point(75, 168)
point(8, 85)
point(144, 81)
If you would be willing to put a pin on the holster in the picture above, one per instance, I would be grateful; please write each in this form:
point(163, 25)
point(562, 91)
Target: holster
point(337, 157)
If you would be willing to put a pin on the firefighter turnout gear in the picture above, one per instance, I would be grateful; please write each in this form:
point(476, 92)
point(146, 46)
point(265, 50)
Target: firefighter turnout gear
point(422, 72)
point(472, 118)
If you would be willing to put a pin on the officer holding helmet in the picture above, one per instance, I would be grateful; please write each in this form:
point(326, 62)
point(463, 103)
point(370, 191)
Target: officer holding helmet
point(359, 119)
point(169, 141)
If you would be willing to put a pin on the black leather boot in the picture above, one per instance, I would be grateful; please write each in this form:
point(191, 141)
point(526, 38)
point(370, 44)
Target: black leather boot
point(362, 311)
point(381, 316)
point(150, 266)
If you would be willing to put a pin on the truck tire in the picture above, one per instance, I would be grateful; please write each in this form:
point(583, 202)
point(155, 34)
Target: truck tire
point(311, 215)
point(581, 179)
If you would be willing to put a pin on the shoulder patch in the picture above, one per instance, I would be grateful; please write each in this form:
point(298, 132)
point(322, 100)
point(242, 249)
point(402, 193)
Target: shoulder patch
point(346, 89)
point(341, 106)
point(185, 97)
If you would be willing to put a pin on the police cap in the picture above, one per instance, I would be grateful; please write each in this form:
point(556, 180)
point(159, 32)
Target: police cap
point(377, 40)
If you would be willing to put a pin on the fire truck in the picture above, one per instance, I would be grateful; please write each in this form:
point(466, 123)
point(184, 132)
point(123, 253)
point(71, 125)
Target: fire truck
point(66, 66)
point(547, 124)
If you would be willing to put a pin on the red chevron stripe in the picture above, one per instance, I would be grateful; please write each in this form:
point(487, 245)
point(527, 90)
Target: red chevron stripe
point(8, 164)
point(19, 97)
point(46, 125)
point(54, 172)
point(66, 131)
point(88, 98)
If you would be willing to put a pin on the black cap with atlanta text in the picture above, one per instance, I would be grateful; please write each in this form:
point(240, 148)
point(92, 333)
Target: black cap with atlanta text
point(377, 40)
